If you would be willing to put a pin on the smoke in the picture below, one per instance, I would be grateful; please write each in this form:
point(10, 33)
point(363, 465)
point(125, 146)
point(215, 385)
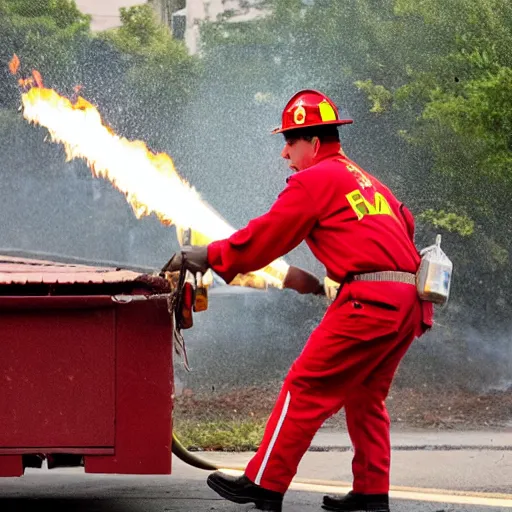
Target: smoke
point(490, 353)
point(248, 337)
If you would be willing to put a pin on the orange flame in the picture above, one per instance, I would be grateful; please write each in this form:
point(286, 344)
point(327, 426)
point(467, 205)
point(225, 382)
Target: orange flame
point(149, 181)
point(38, 79)
point(14, 64)
point(26, 83)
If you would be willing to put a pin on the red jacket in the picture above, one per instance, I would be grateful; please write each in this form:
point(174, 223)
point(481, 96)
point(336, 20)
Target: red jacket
point(351, 222)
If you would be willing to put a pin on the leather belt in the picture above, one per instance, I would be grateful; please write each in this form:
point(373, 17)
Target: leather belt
point(388, 275)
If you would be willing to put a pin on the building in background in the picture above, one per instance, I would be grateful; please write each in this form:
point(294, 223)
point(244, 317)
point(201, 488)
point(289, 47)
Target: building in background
point(165, 9)
point(185, 16)
point(105, 13)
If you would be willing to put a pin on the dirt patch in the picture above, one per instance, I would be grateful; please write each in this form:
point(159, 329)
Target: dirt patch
point(410, 408)
point(450, 410)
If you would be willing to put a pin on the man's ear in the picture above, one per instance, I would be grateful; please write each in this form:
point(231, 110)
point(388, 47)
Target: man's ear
point(316, 144)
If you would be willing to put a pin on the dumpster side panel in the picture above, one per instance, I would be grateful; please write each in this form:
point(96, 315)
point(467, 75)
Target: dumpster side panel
point(57, 373)
point(144, 387)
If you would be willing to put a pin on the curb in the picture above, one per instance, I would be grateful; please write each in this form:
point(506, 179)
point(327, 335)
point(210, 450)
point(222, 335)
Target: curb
point(411, 448)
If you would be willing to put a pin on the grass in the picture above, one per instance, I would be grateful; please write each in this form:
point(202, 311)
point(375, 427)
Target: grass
point(220, 435)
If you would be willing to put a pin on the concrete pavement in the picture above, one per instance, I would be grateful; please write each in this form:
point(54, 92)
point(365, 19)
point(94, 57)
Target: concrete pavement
point(70, 490)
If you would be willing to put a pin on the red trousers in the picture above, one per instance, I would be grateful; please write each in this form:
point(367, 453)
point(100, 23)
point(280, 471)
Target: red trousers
point(349, 361)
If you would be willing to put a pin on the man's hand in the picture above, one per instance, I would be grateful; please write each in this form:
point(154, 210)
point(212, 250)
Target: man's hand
point(331, 288)
point(302, 281)
point(194, 257)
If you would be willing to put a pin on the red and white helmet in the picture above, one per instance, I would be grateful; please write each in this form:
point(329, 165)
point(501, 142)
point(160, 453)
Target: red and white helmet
point(309, 108)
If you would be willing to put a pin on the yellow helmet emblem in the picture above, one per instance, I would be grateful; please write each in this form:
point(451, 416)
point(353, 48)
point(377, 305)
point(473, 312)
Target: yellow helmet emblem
point(299, 116)
point(326, 111)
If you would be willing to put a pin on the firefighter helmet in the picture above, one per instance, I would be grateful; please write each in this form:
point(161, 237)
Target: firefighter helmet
point(309, 108)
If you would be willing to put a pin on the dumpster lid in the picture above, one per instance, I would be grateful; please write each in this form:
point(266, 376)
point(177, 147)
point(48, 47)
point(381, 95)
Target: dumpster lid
point(17, 271)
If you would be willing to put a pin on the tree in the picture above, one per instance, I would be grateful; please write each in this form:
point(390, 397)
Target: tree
point(160, 74)
point(64, 13)
point(45, 35)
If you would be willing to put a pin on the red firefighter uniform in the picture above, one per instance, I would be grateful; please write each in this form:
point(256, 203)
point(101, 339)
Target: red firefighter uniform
point(353, 225)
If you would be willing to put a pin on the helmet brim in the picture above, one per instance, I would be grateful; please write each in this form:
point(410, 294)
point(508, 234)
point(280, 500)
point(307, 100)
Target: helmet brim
point(336, 122)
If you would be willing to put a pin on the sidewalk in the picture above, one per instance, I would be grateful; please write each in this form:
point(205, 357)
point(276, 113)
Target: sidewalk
point(328, 439)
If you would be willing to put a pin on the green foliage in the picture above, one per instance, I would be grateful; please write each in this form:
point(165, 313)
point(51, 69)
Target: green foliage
point(158, 62)
point(45, 35)
point(62, 13)
point(139, 26)
point(224, 435)
point(499, 254)
point(450, 221)
point(143, 36)
point(377, 94)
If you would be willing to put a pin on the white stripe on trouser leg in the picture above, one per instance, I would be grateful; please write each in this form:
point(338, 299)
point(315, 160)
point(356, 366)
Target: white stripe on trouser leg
point(274, 438)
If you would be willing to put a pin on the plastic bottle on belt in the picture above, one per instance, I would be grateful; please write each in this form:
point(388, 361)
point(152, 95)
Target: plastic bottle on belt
point(434, 276)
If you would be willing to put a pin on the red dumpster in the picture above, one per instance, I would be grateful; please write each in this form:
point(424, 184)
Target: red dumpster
point(85, 367)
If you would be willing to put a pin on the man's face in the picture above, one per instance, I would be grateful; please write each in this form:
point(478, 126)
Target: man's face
point(300, 153)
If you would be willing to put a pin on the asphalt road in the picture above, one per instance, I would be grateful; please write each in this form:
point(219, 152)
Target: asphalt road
point(71, 490)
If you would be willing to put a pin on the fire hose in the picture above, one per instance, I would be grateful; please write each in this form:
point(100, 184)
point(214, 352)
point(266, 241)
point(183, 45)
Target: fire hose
point(194, 460)
point(181, 303)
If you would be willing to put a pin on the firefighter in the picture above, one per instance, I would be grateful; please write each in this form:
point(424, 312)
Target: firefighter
point(364, 237)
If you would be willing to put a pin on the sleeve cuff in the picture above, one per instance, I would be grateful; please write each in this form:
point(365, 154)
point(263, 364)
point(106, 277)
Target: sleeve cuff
point(215, 261)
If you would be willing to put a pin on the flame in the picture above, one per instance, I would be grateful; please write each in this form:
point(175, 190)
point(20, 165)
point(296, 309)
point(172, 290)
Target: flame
point(149, 181)
point(14, 64)
point(38, 79)
point(26, 83)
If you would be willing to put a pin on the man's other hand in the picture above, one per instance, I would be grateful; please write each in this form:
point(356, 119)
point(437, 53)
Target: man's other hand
point(302, 281)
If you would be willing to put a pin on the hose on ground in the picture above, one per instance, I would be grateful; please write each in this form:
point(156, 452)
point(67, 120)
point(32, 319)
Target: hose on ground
point(190, 458)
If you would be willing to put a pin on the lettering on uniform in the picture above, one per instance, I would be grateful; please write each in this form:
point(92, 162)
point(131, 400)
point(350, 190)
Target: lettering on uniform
point(362, 180)
point(362, 206)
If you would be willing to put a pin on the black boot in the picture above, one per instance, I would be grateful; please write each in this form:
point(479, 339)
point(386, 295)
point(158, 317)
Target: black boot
point(354, 502)
point(241, 490)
